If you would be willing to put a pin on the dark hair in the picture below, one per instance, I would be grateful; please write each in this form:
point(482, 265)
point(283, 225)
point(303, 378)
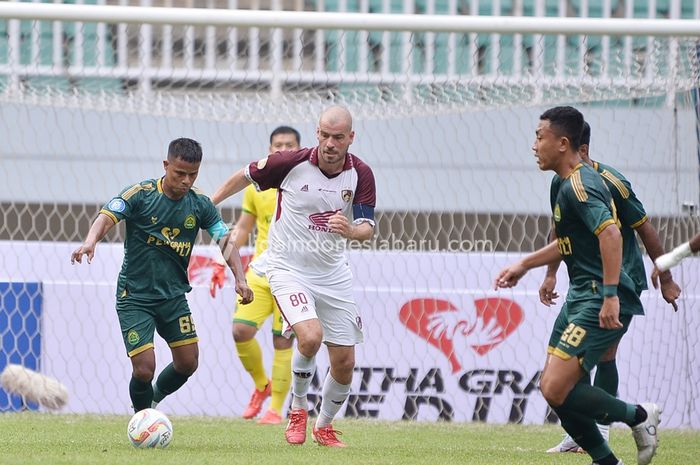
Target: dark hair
point(566, 122)
point(586, 134)
point(286, 130)
point(185, 149)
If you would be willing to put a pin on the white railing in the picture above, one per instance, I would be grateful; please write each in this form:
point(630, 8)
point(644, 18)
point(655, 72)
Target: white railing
point(279, 49)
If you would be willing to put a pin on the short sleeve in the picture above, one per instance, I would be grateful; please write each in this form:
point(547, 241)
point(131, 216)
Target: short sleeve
point(592, 202)
point(209, 215)
point(269, 172)
point(123, 206)
point(630, 210)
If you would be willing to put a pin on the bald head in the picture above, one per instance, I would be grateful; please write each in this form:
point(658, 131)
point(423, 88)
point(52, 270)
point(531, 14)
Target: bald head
point(337, 116)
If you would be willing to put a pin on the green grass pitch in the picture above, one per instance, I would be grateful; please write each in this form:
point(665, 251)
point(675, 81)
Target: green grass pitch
point(46, 439)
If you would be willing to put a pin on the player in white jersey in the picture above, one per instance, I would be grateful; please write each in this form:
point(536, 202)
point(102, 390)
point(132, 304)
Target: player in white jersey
point(319, 189)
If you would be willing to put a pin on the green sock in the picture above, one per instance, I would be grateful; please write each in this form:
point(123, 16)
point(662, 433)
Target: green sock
point(606, 377)
point(594, 403)
point(141, 393)
point(584, 431)
point(168, 382)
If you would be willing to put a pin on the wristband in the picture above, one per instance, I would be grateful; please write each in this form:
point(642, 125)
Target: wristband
point(673, 258)
point(609, 290)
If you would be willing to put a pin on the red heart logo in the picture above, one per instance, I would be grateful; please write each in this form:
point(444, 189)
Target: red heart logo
point(437, 321)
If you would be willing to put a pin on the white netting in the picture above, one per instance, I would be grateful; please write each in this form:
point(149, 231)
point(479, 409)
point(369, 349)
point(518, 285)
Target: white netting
point(446, 121)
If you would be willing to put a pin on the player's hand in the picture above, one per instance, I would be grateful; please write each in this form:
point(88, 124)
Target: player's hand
point(85, 249)
point(609, 316)
point(218, 278)
point(548, 295)
point(339, 224)
point(244, 291)
point(509, 276)
point(669, 289)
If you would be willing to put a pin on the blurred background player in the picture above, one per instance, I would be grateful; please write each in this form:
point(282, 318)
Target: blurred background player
point(633, 218)
point(320, 190)
point(257, 211)
point(163, 217)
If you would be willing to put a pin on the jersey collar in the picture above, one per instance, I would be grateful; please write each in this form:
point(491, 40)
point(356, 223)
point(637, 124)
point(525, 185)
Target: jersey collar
point(313, 158)
point(576, 168)
point(159, 185)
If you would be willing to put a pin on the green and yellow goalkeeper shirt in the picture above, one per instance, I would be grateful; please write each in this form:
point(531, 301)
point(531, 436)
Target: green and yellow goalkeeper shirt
point(582, 207)
point(160, 234)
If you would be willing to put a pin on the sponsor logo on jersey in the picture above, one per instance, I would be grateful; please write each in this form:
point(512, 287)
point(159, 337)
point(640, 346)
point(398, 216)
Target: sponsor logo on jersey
point(319, 221)
point(117, 205)
point(451, 329)
point(305, 188)
point(154, 219)
point(133, 337)
point(190, 222)
point(170, 234)
point(557, 213)
point(346, 194)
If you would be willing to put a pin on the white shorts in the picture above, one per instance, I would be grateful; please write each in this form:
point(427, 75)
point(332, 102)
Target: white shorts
point(334, 306)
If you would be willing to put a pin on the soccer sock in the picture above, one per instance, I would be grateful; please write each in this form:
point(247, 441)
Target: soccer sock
point(585, 432)
point(251, 357)
point(141, 393)
point(593, 402)
point(281, 377)
point(606, 377)
point(168, 382)
point(334, 394)
point(302, 372)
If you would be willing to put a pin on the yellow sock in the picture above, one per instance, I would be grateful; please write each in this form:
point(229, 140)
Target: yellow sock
point(251, 357)
point(281, 378)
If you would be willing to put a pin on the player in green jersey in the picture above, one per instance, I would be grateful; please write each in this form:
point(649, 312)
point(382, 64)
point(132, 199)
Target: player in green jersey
point(163, 217)
point(633, 218)
point(601, 300)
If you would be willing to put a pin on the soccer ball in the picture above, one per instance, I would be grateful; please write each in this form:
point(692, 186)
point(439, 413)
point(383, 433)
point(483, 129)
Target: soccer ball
point(150, 428)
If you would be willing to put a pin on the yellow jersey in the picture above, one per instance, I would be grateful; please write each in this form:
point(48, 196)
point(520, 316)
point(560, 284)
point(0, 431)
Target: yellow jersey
point(262, 206)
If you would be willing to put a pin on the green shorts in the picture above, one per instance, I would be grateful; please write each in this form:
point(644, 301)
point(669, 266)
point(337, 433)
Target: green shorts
point(577, 333)
point(139, 319)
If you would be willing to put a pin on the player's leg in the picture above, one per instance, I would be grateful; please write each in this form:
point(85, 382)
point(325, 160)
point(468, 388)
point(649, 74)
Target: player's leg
point(342, 329)
point(175, 324)
point(138, 325)
point(297, 305)
point(246, 321)
point(607, 379)
point(281, 375)
point(567, 444)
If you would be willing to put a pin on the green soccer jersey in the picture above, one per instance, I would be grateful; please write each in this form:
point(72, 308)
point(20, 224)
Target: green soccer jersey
point(160, 234)
point(582, 207)
point(631, 215)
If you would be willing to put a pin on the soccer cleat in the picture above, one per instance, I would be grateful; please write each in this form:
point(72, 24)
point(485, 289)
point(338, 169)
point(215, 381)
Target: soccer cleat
point(619, 462)
point(644, 434)
point(326, 436)
point(270, 418)
point(296, 428)
point(256, 401)
point(567, 444)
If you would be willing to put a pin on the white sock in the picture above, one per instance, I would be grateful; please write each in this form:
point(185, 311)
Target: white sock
point(303, 369)
point(334, 395)
point(604, 431)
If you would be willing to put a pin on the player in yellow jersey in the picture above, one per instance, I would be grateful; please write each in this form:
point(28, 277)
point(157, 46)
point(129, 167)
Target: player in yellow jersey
point(258, 208)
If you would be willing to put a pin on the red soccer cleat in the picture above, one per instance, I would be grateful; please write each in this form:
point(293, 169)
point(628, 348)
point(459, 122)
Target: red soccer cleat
point(256, 401)
point(296, 428)
point(326, 436)
point(270, 418)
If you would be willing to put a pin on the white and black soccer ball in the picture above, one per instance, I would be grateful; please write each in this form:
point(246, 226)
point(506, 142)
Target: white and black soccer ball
point(150, 428)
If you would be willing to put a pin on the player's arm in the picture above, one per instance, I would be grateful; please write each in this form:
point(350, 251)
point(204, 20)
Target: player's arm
point(361, 231)
point(99, 228)
point(548, 294)
point(652, 243)
point(675, 256)
point(509, 276)
point(610, 244)
point(221, 234)
point(235, 183)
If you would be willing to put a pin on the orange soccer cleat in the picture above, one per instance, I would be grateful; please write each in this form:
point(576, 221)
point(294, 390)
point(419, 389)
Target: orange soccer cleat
point(256, 401)
point(271, 417)
point(326, 436)
point(296, 428)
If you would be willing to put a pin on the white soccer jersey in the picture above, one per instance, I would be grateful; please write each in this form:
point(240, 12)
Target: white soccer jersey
point(300, 239)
